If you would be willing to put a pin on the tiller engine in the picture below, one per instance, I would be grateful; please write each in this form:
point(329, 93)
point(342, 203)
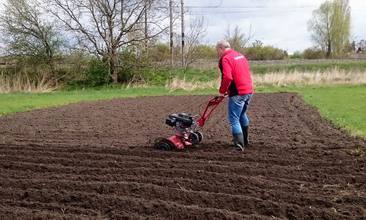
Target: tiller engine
point(186, 128)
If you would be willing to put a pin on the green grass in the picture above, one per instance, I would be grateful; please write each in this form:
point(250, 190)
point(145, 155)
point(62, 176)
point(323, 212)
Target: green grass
point(347, 65)
point(161, 77)
point(345, 106)
point(20, 102)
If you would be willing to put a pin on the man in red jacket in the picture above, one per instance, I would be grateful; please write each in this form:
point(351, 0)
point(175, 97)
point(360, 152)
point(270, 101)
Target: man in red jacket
point(236, 82)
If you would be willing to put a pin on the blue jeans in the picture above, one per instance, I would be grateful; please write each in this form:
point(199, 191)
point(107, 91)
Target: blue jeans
point(237, 116)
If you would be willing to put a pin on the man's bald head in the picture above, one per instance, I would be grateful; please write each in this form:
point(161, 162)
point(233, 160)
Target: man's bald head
point(223, 44)
point(221, 47)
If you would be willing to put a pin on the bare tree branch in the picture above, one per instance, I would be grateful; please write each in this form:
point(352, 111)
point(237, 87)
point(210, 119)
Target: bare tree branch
point(107, 25)
point(26, 33)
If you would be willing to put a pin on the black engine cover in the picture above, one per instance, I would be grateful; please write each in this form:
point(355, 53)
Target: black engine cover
point(183, 119)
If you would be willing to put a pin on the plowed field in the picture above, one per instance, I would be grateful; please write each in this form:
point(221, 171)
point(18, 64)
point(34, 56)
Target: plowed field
point(95, 161)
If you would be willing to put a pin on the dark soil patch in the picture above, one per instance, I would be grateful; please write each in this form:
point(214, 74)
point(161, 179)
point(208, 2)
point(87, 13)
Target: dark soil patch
point(95, 161)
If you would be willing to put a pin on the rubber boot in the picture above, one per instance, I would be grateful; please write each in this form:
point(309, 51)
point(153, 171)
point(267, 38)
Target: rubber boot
point(246, 135)
point(238, 140)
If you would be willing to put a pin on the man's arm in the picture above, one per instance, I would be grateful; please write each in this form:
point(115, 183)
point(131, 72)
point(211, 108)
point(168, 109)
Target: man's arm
point(227, 77)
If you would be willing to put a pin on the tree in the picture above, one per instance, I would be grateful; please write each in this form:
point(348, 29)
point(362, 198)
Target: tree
point(237, 39)
point(193, 38)
point(26, 33)
point(105, 27)
point(330, 26)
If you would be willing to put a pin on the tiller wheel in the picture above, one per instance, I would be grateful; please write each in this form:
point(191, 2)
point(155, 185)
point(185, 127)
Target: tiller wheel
point(186, 128)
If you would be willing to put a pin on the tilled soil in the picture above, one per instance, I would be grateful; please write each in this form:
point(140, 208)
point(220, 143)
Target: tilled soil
point(95, 161)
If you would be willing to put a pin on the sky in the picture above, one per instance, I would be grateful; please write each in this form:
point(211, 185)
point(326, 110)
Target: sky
point(281, 23)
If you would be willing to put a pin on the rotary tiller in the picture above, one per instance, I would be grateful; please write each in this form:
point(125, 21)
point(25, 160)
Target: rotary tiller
point(186, 128)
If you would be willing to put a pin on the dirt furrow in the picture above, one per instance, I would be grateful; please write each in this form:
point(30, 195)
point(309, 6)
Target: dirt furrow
point(95, 159)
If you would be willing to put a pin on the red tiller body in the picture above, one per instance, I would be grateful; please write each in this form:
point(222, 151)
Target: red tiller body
point(187, 133)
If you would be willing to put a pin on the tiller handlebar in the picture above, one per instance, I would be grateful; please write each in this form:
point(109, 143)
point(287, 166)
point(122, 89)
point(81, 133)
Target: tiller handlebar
point(211, 106)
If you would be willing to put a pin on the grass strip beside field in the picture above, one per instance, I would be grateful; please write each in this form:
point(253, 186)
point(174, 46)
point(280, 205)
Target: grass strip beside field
point(341, 65)
point(20, 102)
point(343, 105)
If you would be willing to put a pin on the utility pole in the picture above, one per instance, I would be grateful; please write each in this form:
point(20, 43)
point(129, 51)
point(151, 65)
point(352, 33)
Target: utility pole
point(171, 33)
point(146, 27)
point(183, 37)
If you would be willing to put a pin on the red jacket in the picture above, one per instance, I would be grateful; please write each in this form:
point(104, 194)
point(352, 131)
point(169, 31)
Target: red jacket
point(236, 78)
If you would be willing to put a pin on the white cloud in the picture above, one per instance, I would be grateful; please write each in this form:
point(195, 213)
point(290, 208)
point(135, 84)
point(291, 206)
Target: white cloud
point(282, 23)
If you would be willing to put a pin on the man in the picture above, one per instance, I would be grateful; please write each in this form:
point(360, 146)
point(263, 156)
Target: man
point(236, 82)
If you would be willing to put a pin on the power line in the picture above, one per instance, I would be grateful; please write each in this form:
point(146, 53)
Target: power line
point(210, 6)
point(248, 11)
point(248, 7)
point(239, 7)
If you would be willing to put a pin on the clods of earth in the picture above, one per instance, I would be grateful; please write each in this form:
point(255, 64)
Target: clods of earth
point(95, 161)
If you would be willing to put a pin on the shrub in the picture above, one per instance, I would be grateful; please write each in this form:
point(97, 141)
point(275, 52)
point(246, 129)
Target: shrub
point(296, 55)
point(159, 52)
point(97, 73)
point(313, 53)
point(259, 52)
point(206, 52)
